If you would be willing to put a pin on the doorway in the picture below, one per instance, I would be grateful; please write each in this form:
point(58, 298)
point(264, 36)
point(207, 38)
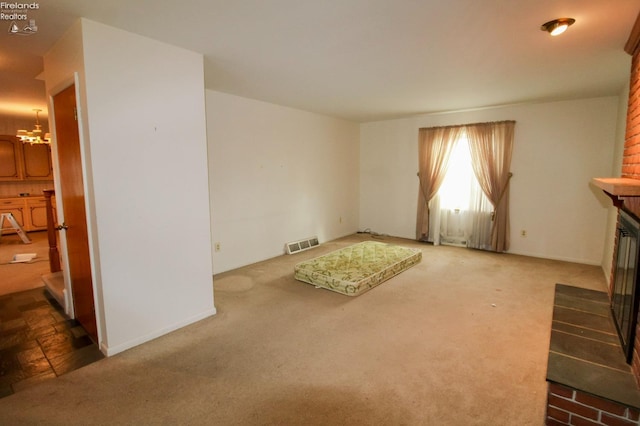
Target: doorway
point(72, 198)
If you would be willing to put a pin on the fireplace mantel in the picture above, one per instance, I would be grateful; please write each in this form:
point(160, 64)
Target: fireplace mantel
point(616, 188)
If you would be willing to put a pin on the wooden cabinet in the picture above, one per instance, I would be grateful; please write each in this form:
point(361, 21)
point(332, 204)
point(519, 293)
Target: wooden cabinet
point(10, 158)
point(36, 214)
point(37, 162)
point(15, 206)
point(19, 161)
point(30, 212)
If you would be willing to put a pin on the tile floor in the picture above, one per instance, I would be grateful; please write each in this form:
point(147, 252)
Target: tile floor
point(584, 350)
point(38, 341)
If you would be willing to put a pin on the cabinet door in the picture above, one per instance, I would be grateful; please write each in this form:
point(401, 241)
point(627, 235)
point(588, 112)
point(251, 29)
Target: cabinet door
point(10, 158)
point(36, 218)
point(37, 162)
point(17, 208)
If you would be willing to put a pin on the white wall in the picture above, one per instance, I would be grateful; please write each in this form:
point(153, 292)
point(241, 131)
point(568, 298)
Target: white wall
point(143, 115)
point(277, 174)
point(558, 148)
point(9, 124)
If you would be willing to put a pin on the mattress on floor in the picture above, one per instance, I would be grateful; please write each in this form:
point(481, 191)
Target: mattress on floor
point(355, 269)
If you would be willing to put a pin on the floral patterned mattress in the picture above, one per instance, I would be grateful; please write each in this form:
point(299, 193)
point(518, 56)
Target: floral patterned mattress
point(355, 269)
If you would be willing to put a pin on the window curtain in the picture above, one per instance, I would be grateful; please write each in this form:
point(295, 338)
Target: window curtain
point(491, 146)
point(435, 145)
point(479, 222)
point(469, 226)
point(465, 222)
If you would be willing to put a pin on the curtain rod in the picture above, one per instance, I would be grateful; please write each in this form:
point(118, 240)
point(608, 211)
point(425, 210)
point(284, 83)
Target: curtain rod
point(453, 126)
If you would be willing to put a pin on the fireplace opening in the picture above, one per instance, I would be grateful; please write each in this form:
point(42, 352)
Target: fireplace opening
point(625, 295)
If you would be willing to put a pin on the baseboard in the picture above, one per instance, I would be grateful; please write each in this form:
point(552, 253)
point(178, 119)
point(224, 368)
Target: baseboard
point(560, 258)
point(54, 283)
point(112, 350)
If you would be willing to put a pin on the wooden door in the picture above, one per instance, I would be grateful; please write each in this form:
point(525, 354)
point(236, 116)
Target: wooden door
point(73, 203)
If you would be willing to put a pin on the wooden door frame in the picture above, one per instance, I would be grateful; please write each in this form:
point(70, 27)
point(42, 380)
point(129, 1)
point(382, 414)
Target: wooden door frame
point(90, 212)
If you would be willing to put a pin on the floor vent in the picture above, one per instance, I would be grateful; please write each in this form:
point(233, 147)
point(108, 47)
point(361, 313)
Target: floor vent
point(301, 245)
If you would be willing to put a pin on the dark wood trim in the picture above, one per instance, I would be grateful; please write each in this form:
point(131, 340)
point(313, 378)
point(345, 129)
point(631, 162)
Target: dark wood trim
point(54, 254)
point(617, 202)
point(633, 43)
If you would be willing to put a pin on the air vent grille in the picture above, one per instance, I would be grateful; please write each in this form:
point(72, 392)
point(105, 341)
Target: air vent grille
point(301, 245)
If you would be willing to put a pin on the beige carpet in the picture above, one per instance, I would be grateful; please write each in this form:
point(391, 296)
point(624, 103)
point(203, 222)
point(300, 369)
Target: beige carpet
point(15, 277)
point(460, 339)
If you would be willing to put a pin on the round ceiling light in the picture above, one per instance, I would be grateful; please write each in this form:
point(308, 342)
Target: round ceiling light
point(557, 26)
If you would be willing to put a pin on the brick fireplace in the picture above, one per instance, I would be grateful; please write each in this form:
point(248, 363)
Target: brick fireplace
point(625, 191)
point(587, 386)
point(631, 159)
point(623, 291)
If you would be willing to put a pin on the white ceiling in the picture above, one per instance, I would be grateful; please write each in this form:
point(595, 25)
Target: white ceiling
point(362, 60)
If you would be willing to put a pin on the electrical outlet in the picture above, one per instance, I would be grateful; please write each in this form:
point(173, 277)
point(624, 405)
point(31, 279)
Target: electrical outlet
point(523, 233)
point(217, 246)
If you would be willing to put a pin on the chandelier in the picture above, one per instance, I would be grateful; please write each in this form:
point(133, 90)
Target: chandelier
point(34, 136)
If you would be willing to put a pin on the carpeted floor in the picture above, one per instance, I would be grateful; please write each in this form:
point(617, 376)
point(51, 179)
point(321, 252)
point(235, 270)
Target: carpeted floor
point(460, 339)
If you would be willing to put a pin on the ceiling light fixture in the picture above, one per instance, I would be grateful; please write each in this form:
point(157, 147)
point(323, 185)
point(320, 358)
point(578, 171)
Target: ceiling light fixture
point(35, 136)
point(557, 26)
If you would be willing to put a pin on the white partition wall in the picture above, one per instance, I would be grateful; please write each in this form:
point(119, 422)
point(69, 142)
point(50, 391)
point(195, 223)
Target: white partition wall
point(144, 139)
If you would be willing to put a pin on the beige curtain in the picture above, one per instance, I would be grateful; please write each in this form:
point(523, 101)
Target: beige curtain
point(435, 145)
point(491, 146)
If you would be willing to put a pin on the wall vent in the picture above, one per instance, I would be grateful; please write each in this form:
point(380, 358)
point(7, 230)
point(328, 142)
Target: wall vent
point(301, 245)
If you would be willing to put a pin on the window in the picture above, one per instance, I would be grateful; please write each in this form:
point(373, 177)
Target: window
point(461, 210)
point(491, 145)
point(455, 192)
